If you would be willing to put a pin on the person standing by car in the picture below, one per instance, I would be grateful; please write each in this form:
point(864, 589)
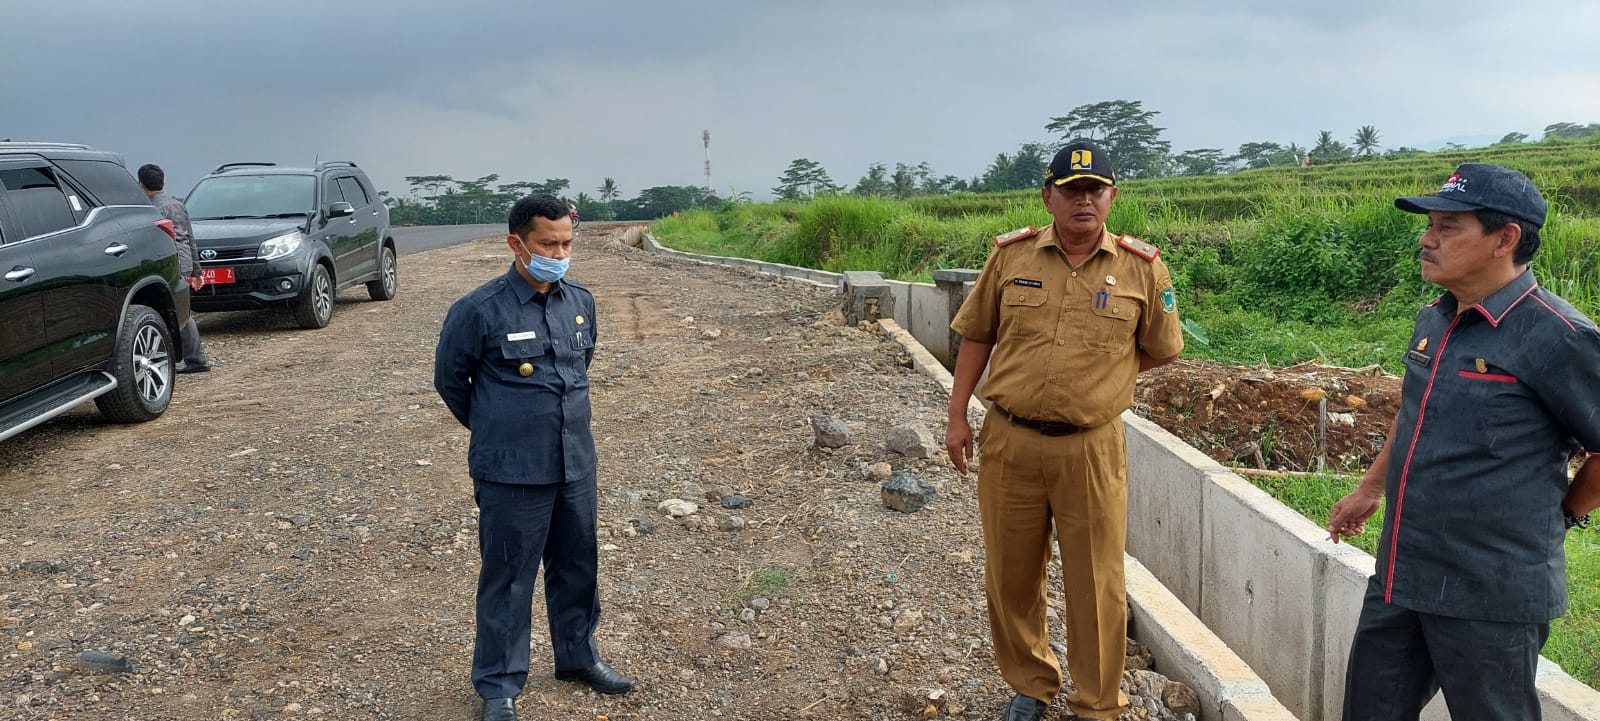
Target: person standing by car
point(153, 182)
point(512, 365)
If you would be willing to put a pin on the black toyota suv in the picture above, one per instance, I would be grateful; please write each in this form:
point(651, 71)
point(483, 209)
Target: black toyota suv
point(91, 297)
point(272, 236)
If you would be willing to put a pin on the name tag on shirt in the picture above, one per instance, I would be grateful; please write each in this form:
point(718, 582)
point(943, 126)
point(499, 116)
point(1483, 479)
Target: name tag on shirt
point(1029, 283)
point(525, 335)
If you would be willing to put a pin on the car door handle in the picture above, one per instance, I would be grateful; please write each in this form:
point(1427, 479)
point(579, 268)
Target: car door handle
point(116, 249)
point(19, 274)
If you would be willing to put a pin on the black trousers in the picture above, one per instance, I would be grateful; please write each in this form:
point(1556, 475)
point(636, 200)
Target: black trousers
point(1400, 658)
point(520, 526)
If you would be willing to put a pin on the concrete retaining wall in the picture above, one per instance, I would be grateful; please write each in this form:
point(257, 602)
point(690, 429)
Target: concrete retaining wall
point(1236, 594)
point(924, 309)
point(1266, 580)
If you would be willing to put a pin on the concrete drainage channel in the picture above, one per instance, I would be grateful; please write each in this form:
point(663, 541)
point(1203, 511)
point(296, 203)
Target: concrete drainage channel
point(1234, 593)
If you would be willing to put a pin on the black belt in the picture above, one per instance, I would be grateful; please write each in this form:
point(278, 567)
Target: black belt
point(1045, 428)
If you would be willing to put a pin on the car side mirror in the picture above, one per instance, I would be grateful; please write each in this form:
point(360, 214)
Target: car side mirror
point(341, 209)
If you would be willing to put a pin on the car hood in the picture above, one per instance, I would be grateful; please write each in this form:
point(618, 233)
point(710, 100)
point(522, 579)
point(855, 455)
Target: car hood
point(244, 231)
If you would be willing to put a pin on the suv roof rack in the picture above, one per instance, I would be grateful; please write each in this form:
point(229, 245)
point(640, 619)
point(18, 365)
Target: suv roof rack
point(226, 166)
point(335, 163)
point(31, 144)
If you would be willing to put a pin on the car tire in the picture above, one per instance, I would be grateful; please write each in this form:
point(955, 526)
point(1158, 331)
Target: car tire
point(143, 367)
point(314, 308)
point(388, 282)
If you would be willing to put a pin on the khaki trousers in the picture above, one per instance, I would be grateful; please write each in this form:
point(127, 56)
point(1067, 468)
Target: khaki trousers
point(1026, 482)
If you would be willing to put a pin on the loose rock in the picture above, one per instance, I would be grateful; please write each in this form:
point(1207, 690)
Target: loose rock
point(677, 507)
point(911, 441)
point(1139, 657)
point(731, 523)
point(906, 493)
point(735, 501)
point(98, 662)
point(830, 432)
point(734, 642)
point(1180, 699)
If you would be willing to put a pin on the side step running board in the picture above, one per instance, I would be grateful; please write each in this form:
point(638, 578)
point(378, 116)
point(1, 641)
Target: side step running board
point(55, 401)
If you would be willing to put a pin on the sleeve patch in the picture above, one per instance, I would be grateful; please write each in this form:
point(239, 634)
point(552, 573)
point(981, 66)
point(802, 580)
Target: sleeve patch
point(1139, 247)
point(1015, 235)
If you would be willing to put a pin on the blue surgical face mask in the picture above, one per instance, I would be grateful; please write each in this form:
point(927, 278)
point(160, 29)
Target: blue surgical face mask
point(546, 270)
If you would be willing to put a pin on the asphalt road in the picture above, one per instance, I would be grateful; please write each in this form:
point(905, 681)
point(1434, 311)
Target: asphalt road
point(428, 237)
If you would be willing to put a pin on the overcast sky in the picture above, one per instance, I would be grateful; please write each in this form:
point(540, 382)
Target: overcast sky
point(622, 88)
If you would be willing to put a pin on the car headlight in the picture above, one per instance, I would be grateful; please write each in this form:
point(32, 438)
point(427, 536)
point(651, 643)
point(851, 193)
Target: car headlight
point(280, 246)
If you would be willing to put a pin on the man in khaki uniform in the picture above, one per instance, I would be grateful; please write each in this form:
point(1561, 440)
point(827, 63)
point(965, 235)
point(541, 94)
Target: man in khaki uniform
point(1069, 315)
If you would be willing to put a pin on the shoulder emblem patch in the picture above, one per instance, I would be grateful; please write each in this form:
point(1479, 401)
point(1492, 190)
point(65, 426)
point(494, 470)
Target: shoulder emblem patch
point(1139, 247)
point(1015, 235)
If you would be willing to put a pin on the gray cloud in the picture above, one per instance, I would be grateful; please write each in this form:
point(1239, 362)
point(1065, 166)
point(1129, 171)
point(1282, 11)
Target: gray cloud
point(623, 88)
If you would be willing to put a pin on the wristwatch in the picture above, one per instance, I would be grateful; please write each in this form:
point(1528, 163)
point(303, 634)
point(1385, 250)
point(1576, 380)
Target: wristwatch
point(1575, 521)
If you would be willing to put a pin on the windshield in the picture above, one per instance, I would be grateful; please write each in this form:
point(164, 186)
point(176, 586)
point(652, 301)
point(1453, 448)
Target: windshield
point(252, 196)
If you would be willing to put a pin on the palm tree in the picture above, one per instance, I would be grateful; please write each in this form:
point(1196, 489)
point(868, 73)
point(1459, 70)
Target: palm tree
point(608, 191)
point(1366, 140)
point(1327, 148)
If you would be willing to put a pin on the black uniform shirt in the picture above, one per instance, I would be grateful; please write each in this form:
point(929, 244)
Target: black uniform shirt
point(1495, 401)
point(513, 366)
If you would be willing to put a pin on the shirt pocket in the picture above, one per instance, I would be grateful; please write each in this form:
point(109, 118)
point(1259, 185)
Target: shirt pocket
point(1490, 388)
point(1024, 314)
point(1112, 323)
point(515, 355)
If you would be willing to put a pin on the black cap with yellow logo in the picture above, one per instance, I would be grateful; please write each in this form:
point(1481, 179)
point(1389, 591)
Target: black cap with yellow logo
point(1081, 160)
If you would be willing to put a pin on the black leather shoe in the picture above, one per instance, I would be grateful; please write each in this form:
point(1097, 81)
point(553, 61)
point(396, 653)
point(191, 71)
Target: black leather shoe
point(499, 709)
point(194, 368)
point(1025, 708)
point(600, 677)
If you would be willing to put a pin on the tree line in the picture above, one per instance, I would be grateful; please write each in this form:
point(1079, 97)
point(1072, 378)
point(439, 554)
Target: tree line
point(1128, 131)
point(1124, 127)
point(444, 200)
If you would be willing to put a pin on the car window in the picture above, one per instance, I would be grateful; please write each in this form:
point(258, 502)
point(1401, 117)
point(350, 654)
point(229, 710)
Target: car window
point(39, 203)
point(353, 192)
point(108, 181)
point(252, 196)
point(330, 192)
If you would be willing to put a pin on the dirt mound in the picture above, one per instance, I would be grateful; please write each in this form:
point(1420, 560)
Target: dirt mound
point(1270, 417)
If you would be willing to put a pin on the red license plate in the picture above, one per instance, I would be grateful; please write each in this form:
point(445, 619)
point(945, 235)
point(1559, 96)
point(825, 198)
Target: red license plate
point(218, 275)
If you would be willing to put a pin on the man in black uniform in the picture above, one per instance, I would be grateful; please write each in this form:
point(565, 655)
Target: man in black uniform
point(512, 365)
point(1502, 387)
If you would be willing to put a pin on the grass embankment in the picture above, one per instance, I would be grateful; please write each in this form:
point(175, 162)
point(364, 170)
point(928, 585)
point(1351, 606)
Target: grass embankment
point(1272, 266)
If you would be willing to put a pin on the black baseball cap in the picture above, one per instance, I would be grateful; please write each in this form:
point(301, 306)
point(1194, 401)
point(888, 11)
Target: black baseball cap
point(1481, 186)
point(1081, 160)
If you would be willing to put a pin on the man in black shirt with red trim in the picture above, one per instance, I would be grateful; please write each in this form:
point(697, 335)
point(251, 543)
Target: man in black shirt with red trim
point(1501, 391)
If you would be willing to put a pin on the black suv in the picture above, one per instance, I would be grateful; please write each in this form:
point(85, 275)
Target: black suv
point(272, 236)
point(91, 297)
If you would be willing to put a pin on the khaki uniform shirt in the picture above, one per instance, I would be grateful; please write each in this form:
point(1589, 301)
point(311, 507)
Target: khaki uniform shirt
point(1067, 340)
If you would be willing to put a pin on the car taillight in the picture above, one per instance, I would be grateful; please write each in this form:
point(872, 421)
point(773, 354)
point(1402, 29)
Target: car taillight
point(167, 227)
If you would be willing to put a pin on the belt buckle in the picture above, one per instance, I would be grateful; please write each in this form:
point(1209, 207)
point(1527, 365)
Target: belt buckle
point(1057, 428)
